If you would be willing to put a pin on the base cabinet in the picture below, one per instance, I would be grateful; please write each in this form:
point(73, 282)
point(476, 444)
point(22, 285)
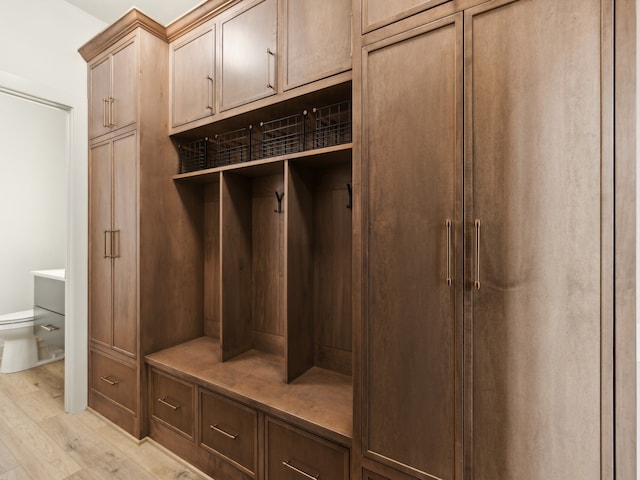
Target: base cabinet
point(229, 439)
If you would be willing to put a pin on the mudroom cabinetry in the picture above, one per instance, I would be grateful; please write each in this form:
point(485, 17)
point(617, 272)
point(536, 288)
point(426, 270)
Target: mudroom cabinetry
point(141, 251)
point(485, 335)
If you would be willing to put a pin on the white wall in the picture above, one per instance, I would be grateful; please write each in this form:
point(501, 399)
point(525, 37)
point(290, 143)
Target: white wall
point(38, 56)
point(34, 153)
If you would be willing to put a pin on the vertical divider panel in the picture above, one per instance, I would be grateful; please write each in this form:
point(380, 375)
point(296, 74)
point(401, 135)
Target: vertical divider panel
point(212, 284)
point(299, 271)
point(235, 265)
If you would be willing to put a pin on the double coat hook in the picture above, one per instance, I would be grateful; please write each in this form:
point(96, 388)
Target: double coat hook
point(279, 197)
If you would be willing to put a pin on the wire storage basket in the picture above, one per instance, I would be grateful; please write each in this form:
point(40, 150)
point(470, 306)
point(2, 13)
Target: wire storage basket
point(233, 147)
point(196, 155)
point(332, 125)
point(282, 136)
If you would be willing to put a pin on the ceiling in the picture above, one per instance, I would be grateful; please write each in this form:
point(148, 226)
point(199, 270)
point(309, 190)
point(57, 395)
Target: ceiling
point(162, 11)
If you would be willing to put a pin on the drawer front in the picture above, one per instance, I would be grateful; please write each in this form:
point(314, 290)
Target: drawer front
point(293, 454)
point(49, 294)
point(229, 429)
point(49, 326)
point(172, 402)
point(114, 379)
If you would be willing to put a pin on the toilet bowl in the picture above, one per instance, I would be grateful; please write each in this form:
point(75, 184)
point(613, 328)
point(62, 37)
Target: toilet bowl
point(20, 344)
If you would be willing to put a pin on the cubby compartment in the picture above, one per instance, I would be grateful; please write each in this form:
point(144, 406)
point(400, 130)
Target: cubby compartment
point(318, 252)
point(252, 260)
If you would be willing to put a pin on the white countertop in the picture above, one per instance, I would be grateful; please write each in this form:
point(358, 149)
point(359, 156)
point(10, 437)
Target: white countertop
point(57, 274)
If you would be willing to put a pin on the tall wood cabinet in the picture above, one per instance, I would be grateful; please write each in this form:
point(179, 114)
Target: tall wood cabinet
point(142, 245)
point(486, 320)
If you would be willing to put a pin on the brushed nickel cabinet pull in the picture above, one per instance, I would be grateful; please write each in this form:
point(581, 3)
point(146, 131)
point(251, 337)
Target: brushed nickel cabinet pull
point(109, 381)
point(209, 92)
point(476, 283)
point(222, 432)
point(269, 55)
point(301, 472)
point(449, 279)
point(115, 240)
point(49, 328)
point(163, 401)
point(111, 114)
point(105, 107)
point(105, 244)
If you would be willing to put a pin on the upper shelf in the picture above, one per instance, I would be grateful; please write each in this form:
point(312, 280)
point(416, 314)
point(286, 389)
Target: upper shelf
point(316, 157)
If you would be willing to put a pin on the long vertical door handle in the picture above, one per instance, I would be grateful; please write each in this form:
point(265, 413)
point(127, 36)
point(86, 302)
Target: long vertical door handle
point(209, 105)
point(476, 283)
point(449, 278)
point(115, 235)
point(105, 107)
point(270, 55)
point(107, 232)
point(111, 114)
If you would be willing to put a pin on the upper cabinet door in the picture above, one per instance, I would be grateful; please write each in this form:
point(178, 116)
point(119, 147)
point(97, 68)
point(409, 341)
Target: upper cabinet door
point(317, 39)
point(249, 54)
point(124, 87)
point(99, 93)
point(113, 90)
point(378, 13)
point(192, 76)
point(413, 317)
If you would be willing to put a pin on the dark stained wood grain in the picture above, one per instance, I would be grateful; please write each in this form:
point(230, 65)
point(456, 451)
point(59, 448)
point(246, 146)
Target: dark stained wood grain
point(212, 285)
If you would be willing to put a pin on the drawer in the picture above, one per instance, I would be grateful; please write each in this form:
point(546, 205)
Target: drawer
point(229, 429)
point(292, 454)
point(49, 326)
point(49, 294)
point(172, 402)
point(114, 379)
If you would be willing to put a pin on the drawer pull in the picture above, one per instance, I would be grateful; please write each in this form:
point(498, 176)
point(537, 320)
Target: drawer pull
point(109, 381)
point(301, 472)
point(49, 328)
point(170, 405)
point(221, 431)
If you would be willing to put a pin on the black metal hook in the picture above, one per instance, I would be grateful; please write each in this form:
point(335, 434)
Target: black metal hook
point(350, 204)
point(279, 198)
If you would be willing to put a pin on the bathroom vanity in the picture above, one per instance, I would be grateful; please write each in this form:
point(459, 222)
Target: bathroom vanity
point(48, 307)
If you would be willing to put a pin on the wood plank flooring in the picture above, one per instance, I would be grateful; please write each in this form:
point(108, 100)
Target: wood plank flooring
point(38, 441)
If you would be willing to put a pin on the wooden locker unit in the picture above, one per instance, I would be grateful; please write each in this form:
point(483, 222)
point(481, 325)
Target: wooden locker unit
point(533, 330)
point(145, 235)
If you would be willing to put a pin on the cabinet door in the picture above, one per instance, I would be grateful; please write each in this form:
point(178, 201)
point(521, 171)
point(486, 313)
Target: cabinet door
point(123, 91)
point(317, 40)
point(99, 93)
point(412, 169)
point(100, 285)
point(125, 174)
point(192, 81)
point(534, 170)
point(249, 54)
point(377, 13)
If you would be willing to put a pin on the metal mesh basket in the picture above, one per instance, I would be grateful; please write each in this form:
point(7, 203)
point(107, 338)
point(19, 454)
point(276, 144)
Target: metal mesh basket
point(332, 125)
point(196, 155)
point(282, 136)
point(233, 147)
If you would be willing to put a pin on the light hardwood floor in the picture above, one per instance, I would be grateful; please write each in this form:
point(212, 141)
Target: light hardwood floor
point(38, 441)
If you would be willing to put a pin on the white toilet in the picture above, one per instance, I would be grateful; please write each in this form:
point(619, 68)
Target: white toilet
point(20, 344)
